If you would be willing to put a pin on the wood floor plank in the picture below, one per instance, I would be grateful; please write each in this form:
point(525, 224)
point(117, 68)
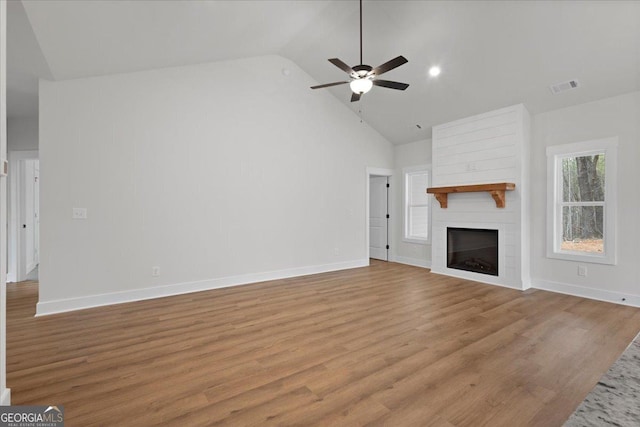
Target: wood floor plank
point(387, 344)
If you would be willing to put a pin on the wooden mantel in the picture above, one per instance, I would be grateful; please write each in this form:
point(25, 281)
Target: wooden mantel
point(496, 190)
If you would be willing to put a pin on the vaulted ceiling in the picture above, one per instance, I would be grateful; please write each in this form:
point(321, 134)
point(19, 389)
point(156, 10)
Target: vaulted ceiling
point(492, 54)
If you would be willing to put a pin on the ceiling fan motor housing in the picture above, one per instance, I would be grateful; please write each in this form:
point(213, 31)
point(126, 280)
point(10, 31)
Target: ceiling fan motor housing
point(362, 70)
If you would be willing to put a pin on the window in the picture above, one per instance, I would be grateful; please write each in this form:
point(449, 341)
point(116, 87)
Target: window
point(417, 207)
point(581, 201)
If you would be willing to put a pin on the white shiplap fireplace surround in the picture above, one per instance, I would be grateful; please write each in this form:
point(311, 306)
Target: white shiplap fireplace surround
point(488, 148)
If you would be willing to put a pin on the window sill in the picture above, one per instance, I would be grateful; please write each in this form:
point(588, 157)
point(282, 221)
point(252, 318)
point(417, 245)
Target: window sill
point(581, 257)
point(416, 241)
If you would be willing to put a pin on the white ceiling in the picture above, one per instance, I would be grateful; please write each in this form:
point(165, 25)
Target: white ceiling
point(25, 64)
point(492, 54)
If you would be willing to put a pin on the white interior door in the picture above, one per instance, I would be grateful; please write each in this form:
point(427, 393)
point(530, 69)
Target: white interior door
point(36, 211)
point(29, 216)
point(378, 217)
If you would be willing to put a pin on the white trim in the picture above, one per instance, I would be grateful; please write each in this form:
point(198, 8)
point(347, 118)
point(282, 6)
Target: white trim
point(4, 396)
point(525, 198)
point(416, 262)
point(379, 171)
point(424, 242)
point(5, 399)
point(374, 171)
point(591, 293)
point(71, 304)
point(554, 186)
point(584, 147)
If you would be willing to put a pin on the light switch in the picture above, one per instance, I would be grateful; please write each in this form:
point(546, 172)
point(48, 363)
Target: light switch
point(79, 213)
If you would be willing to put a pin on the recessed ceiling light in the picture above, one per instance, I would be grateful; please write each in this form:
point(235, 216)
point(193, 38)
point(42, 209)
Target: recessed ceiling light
point(434, 71)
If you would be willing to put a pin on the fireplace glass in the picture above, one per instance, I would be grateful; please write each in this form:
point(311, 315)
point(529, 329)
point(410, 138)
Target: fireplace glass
point(473, 249)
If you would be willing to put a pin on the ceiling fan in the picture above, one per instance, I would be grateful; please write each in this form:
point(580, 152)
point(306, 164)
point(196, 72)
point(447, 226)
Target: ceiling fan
point(364, 77)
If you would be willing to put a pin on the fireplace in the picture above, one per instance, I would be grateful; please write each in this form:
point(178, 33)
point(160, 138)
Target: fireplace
point(473, 249)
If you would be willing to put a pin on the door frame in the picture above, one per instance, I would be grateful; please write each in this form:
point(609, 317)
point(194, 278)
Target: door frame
point(16, 265)
point(373, 171)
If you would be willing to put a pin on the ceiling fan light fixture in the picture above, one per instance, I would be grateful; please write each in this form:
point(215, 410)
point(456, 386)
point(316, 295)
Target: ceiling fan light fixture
point(361, 85)
point(363, 77)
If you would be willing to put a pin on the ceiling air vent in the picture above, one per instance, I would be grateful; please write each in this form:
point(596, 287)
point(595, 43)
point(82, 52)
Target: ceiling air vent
point(564, 86)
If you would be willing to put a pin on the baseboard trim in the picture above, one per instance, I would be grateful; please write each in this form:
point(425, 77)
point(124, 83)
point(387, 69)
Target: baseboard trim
point(64, 305)
point(5, 398)
point(590, 293)
point(416, 262)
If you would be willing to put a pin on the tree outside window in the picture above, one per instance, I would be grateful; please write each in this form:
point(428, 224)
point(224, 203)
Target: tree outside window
point(583, 203)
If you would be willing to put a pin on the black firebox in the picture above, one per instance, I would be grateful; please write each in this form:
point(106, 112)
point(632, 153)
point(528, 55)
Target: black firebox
point(473, 249)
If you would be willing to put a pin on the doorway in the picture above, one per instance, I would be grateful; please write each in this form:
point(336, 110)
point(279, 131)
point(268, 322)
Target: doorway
point(24, 216)
point(378, 217)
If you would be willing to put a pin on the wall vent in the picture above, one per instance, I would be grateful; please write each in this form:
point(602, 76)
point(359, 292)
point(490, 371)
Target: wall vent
point(564, 86)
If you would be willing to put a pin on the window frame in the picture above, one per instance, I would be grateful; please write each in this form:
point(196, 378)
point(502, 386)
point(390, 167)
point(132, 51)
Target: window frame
point(407, 172)
point(555, 203)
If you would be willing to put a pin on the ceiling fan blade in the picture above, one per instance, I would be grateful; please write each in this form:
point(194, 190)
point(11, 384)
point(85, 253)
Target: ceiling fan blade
point(344, 67)
point(328, 85)
point(390, 84)
point(389, 65)
point(355, 97)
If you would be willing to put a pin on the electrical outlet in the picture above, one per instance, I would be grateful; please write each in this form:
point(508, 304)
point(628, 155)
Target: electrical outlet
point(582, 270)
point(79, 213)
point(336, 251)
point(155, 271)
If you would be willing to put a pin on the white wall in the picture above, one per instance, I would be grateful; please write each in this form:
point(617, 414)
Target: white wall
point(219, 174)
point(22, 134)
point(618, 116)
point(412, 154)
point(5, 393)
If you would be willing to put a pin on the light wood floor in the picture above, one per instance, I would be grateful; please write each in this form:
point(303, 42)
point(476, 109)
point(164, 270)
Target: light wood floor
point(384, 345)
